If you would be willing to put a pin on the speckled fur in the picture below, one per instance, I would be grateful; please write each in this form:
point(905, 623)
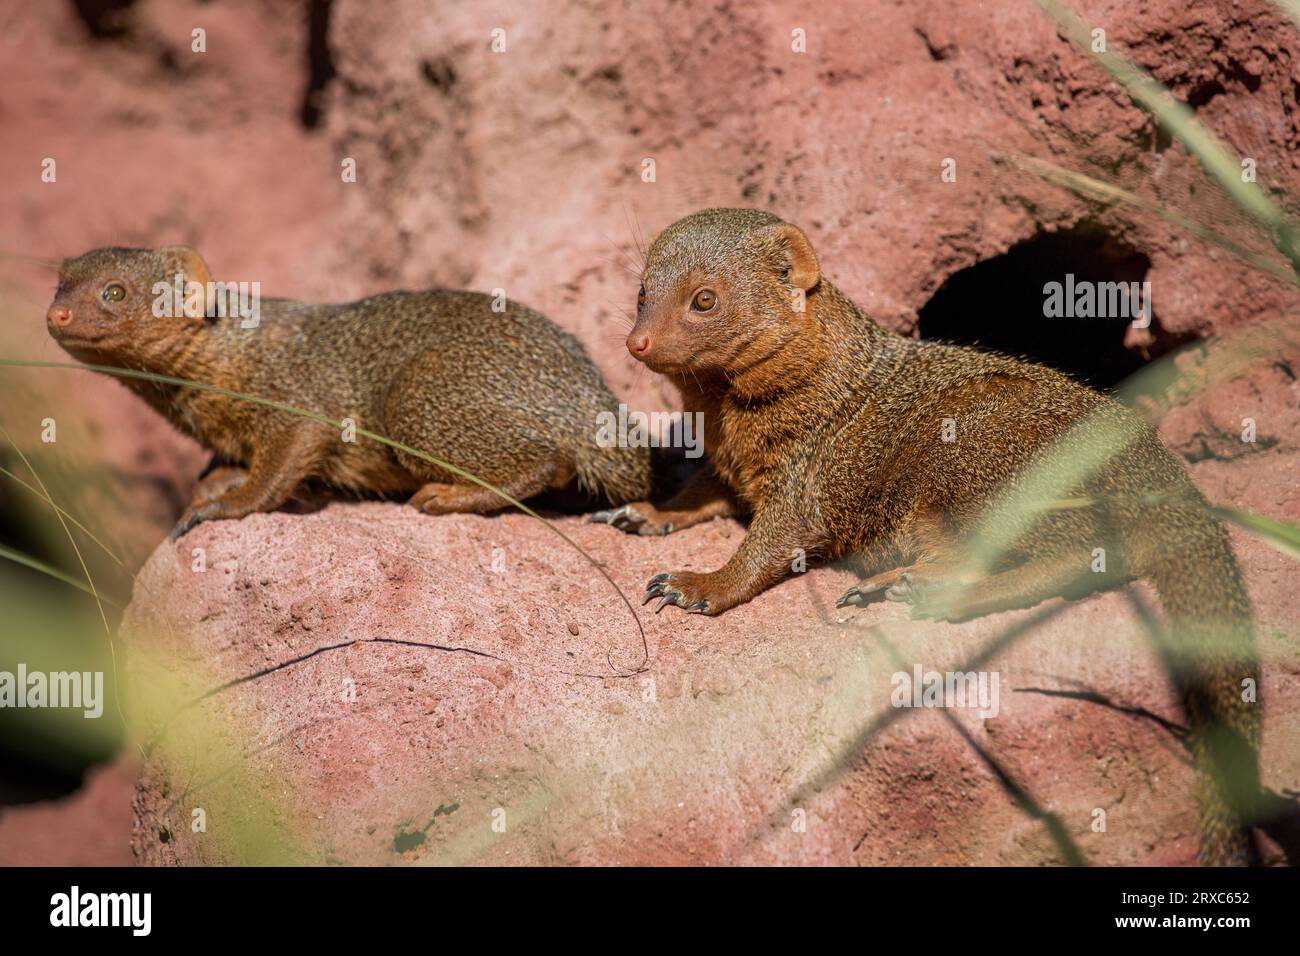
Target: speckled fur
point(826, 428)
point(507, 396)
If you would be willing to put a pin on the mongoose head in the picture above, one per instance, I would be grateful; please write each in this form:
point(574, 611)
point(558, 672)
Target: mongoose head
point(113, 306)
point(723, 291)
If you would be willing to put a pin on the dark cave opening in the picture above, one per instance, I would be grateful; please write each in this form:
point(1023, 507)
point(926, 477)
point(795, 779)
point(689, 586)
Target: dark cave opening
point(1064, 299)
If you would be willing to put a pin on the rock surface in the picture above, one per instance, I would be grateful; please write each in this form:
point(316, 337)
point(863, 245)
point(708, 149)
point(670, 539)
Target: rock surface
point(478, 652)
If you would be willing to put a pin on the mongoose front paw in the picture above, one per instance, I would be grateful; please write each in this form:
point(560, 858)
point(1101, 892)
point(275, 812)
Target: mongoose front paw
point(930, 600)
point(639, 518)
point(868, 592)
point(899, 586)
point(935, 600)
point(688, 590)
point(193, 516)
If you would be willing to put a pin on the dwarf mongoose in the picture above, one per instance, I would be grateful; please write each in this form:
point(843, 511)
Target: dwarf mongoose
point(502, 393)
point(828, 429)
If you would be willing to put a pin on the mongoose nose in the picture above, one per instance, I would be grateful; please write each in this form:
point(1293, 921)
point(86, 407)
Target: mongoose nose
point(59, 315)
point(638, 343)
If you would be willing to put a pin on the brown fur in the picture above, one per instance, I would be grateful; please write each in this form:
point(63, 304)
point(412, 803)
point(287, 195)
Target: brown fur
point(826, 428)
point(506, 396)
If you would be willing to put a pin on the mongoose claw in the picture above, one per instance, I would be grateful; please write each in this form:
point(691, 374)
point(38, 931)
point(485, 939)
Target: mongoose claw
point(187, 523)
point(625, 517)
point(905, 589)
point(673, 596)
point(195, 515)
point(657, 586)
point(631, 519)
point(661, 586)
point(861, 594)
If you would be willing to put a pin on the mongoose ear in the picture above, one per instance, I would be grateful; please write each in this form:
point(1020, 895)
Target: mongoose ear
point(189, 265)
point(804, 271)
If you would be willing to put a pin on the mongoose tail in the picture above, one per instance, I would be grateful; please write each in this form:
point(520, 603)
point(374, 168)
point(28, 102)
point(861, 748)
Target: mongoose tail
point(619, 474)
point(1208, 646)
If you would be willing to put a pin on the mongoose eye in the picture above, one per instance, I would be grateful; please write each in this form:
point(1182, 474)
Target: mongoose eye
point(704, 300)
point(640, 297)
point(114, 292)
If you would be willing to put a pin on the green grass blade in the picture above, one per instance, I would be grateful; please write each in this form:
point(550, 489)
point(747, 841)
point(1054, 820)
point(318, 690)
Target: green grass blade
point(1280, 534)
point(71, 518)
point(1101, 191)
point(36, 564)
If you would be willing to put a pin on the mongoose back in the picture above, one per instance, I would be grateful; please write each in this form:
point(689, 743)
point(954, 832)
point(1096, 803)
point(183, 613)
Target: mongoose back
point(503, 394)
point(829, 430)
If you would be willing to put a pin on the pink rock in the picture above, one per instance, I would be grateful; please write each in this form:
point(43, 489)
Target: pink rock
point(428, 680)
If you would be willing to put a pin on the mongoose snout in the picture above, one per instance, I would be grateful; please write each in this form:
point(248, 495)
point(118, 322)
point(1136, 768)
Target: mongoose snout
point(488, 386)
point(638, 343)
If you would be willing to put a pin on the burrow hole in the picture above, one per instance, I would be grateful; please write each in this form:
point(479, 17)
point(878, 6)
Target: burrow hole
point(999, 305)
